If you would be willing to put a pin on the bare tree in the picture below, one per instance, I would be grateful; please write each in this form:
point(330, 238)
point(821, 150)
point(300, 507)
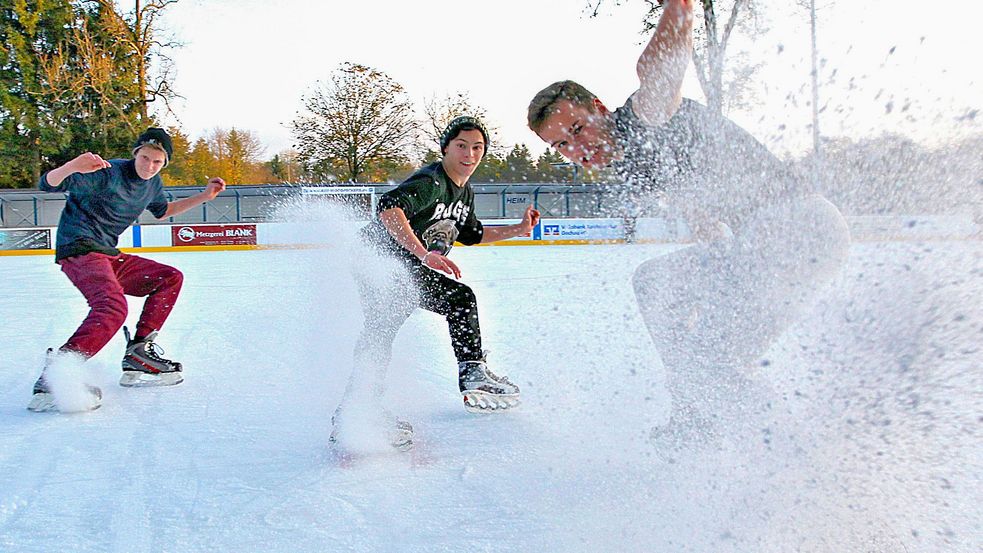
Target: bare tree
point(440, 111)
point(361, 117)
point(243, 148)
point(93, 82)
point(817, 154)
point(711, 41)
point(138, 31)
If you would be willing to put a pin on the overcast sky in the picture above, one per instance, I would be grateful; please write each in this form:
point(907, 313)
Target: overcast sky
point(247, 63)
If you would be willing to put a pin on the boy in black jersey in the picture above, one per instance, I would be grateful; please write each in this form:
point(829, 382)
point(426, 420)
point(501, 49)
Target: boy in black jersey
point(765, 242)
point(417, 225)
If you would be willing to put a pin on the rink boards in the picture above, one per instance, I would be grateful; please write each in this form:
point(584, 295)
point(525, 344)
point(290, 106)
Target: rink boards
point(549, 232)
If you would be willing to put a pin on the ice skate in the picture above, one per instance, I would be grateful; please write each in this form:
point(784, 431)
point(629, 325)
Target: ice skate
point(144, 366)
point(400, 435)
point(483, 391)
point(44, 401)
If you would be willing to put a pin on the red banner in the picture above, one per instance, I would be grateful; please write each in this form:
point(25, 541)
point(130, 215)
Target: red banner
point(213, 235)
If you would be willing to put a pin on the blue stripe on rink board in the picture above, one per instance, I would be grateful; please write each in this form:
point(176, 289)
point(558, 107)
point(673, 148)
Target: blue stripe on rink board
point(137, 237)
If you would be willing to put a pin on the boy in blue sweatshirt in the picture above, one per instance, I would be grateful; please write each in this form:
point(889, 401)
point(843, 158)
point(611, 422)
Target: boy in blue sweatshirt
point(104, 198)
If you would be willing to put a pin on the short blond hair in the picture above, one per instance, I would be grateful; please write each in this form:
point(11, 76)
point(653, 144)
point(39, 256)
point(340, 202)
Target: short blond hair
point(543, 104)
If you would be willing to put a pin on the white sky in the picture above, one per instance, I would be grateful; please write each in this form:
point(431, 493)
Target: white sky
point(247, 63)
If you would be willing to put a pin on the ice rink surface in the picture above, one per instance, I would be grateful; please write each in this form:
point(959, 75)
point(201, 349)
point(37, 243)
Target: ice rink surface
point(872, 444)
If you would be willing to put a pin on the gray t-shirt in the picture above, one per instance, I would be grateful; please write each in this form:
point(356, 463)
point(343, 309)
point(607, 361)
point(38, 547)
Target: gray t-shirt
point(101, 205)
point(701, 165)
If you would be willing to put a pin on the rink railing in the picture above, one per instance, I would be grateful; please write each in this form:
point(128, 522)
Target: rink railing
point(266, 203)
point(549, 232)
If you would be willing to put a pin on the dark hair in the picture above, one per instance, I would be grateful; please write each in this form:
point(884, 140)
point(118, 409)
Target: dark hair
point(462, 123)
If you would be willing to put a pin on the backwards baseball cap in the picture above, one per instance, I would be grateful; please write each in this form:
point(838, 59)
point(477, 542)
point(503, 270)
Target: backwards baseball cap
point(156, 138)
point(462, 123)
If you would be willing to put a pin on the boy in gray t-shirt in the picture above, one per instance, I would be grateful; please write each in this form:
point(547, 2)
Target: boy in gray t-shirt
point(765, 243)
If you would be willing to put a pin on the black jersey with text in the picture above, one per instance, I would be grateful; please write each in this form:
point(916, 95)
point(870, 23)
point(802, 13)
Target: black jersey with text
point(700, 164)
point(439, 212)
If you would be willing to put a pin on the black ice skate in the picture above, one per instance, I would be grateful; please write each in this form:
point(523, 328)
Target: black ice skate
point(483, 391)
point(144, 366)
point(44, 401)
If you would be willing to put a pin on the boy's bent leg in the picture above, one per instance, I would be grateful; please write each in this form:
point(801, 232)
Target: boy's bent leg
point(386, 304)
point(482, 390)
point(784, 259)
point(713, 310)
point(458, 304)
point(94, 276)
point(160, 283)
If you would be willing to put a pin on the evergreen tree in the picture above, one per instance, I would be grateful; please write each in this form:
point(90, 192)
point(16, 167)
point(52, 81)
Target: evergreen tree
point(243, 149)
point(71, 80)
point(547, 169)
point(519, 164)
point(30, 34)
point(178, 172)
point(491, 170)
point(201, 163)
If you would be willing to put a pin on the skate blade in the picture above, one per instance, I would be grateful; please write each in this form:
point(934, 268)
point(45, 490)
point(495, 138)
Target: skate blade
point(482, 402)
point(404, 443)
point(138, 379)
point(45, 403)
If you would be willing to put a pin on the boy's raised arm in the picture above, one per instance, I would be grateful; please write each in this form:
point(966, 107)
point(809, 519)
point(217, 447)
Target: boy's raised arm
point(663, 64)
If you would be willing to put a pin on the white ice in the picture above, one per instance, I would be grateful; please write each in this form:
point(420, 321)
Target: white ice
point(872, 444)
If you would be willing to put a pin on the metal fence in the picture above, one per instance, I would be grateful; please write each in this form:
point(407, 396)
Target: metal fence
point(33, 208)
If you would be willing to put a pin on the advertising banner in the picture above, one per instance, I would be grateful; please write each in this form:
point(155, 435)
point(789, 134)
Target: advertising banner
point(213, 235)
point(580, 229)
point(25, 239)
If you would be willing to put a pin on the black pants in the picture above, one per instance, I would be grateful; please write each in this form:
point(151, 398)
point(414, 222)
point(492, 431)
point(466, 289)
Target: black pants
point(389, 298)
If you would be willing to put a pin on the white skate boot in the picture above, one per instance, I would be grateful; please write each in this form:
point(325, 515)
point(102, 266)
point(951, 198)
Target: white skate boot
point(400, 433)
point(483, 391)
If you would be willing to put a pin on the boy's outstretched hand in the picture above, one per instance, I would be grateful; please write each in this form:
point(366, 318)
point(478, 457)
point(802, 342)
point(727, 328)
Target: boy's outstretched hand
point(214, 187)
point(530, 218)
point(88, 163)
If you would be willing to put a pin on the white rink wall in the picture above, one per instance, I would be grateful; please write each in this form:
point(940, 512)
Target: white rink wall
point(550, 231)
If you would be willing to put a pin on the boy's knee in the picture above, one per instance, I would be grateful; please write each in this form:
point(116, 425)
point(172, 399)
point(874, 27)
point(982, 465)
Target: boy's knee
point(175, 277)
point(113, 309)
point(463, 295)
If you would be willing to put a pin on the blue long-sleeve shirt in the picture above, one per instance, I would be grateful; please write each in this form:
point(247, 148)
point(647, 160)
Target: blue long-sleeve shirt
point(101, 205)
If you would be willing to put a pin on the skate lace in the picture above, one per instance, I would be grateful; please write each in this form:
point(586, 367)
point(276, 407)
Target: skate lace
point(154, 351)
point(496, 378)
point(488, 372)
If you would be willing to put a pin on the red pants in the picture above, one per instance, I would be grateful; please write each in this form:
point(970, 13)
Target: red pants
point(103, 280)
